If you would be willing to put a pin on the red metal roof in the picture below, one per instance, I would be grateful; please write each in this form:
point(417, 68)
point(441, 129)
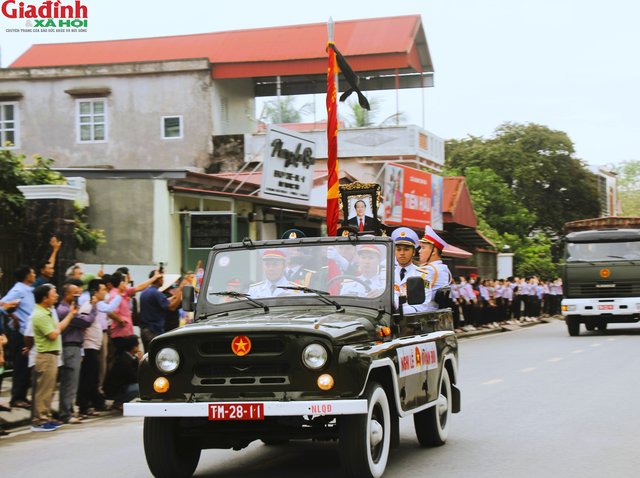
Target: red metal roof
point(372, 44)
point(456, 202)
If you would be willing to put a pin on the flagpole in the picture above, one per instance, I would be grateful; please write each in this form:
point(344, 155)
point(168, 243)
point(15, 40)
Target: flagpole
point(333, 189)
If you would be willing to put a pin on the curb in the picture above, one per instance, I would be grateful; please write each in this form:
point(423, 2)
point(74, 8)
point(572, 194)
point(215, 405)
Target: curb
point(505, 328)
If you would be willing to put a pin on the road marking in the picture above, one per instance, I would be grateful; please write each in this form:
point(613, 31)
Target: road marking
point(491, 382)
point(557, 359)
point(596, 345)
point(528, 369)
point(610, 340)
point(577, 351)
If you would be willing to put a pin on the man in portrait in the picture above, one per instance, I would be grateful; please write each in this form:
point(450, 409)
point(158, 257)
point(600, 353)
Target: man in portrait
point(361, 221)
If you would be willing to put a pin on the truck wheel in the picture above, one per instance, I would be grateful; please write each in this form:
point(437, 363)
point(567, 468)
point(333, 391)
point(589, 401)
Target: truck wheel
point(168, 454)
point(602, 326)
point(365, 439)
point(573, 325)
point(590, 326)
point(432, 424)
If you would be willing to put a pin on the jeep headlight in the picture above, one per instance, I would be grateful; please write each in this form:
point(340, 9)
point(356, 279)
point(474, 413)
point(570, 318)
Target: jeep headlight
point(168, 360)
point(314, 356)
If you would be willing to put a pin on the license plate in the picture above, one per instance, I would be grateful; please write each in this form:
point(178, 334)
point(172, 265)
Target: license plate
point(236, 411)
point(605, 307)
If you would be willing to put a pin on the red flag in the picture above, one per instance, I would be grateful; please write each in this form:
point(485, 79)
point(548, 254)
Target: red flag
point(332, 140)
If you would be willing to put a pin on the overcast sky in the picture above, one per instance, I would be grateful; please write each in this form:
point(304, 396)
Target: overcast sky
point(568, 64)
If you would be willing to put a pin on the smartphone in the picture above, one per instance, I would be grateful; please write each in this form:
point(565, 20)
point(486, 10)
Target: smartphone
point(102, 265)
point(161, 268)
point(75, 301)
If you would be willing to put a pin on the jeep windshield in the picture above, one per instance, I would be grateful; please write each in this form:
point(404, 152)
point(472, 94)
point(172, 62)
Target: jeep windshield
point(603, 251)
point(355, 270)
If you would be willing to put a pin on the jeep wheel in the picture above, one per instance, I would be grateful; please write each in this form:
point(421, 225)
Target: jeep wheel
point(432, 424)
point(168, 454)
point(573, 325)
point(365, 439)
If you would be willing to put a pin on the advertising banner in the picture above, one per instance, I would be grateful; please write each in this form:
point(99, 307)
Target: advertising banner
point(412, 198)
point(289, 162)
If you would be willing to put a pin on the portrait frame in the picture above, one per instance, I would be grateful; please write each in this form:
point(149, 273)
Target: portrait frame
point(357, 192)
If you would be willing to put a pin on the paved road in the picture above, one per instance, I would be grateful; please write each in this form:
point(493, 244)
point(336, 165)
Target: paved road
point(536, 403)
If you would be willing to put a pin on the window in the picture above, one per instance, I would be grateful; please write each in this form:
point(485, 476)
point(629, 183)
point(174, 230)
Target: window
point(91, 120)
point(171, 127)
point(9, 124)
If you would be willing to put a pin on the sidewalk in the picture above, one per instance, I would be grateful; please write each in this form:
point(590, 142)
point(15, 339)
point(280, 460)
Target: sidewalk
point(19, 417)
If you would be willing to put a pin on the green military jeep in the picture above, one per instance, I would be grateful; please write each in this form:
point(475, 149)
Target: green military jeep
point(328, 356)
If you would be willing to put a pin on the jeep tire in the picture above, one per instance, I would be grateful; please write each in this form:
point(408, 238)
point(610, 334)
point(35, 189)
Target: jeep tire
point(169, 455)
point(365, 439)
point(432, 424)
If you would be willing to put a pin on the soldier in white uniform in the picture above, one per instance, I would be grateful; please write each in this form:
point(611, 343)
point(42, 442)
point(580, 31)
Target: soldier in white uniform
point(405, 242)
point(274, 263)
point(370, 258)
point(437, 272)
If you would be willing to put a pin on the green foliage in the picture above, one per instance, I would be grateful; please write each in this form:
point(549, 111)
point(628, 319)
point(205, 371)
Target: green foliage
point(358, 117)
point(494, 203)
point(532, 256)
point(538, 165)
point(286, 110)
point(87, 238)
point(629, 186)
point(14, 173)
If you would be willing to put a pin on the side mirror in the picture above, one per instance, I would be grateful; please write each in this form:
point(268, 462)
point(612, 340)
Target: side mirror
point(188, 298)
point(415, 291)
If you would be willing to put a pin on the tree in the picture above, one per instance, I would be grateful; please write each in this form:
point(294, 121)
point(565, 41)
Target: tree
point(285, 110)
point(629, 186)
point(495, 203)
point(358, 117)
point(538, 165)
point(14, 173)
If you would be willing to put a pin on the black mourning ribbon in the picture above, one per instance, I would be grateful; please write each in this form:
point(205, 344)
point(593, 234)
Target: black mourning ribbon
point(351, 78)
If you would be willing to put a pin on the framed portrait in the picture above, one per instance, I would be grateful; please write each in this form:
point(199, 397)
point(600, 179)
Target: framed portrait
point(360, 203)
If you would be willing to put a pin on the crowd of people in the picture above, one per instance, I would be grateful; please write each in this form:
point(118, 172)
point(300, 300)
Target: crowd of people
point(80, 334)
point(489, 303)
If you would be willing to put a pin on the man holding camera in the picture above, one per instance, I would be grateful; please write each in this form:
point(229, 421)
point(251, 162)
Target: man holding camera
point(72, 342)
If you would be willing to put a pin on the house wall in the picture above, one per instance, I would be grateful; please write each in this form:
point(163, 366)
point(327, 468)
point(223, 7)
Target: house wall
point(137, 96)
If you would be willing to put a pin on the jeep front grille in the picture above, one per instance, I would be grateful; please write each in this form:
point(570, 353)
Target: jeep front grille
point(265, 346)
point(255, 369)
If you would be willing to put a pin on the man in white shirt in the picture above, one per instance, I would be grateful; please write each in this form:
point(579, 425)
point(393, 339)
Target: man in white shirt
point(405, 242)
point(274, 264)
point(438, 274)
point(370, 258)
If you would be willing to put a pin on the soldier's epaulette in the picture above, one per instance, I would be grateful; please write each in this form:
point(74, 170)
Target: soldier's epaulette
point(422, 269)
point(257, 283)
point(313, 272)
point(325, 267)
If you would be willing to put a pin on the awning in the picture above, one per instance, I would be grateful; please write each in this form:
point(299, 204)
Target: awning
point(466, 237)
point(453, 251)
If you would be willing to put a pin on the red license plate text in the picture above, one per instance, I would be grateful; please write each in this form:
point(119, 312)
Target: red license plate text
point(236, 411)
point(605, 307)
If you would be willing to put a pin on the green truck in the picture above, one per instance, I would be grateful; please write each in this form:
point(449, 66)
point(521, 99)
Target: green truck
point(326, 357)
point(601, 273)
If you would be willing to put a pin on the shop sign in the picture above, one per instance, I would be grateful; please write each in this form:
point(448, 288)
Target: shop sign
point(412, 198)
point(289, 162)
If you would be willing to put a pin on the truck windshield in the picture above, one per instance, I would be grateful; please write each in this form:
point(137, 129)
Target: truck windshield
point(341, 270)
point(600, 252)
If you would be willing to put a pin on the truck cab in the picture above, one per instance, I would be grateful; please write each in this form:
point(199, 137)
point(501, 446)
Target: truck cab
point(601, 278)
